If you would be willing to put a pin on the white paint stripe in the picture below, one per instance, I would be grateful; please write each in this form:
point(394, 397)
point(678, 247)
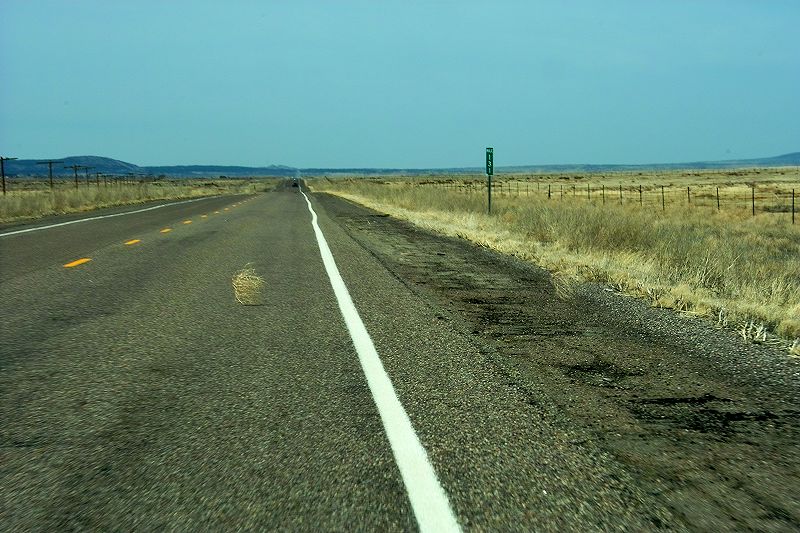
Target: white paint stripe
point(104, 216)
point(428, 499)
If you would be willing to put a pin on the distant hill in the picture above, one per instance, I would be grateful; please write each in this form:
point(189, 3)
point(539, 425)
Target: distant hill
point(28, 167)
point(217, 170)
point(105, 165)
point(785, 160)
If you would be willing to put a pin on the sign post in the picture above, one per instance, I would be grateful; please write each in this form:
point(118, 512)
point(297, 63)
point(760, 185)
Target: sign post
point(489, 173)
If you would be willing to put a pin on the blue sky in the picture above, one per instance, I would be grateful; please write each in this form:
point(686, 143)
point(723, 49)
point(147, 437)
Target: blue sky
point(399, 83)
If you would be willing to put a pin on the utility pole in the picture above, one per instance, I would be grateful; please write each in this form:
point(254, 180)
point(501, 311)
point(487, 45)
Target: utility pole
point(49, 164)
point(75, 169)
point(86, 173)
point(3, 170)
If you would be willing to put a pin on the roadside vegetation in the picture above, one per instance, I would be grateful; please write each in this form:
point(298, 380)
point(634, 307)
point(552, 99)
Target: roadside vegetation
point(742, 271)
point(33, 199)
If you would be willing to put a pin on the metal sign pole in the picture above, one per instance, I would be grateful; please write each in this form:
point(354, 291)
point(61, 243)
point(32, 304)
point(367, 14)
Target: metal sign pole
point(489, 173)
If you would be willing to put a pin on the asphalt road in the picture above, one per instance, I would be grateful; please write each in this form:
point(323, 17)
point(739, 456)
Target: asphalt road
point(137, 394)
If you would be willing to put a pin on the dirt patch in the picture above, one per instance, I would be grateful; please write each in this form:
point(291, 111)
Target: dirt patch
point(706, 423)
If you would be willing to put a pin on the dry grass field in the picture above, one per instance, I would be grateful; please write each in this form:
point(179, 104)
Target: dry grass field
point(34, 198)
point(679, 250)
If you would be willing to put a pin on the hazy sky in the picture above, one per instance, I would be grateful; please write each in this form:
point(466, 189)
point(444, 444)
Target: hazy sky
point(399, 83)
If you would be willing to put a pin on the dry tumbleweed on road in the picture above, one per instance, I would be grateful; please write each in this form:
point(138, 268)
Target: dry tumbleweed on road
point(247, 286)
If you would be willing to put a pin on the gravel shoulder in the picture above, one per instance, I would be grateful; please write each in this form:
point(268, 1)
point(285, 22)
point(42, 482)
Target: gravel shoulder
point(704, 426)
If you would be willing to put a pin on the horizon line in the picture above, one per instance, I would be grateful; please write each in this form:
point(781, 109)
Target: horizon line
point(471, 167)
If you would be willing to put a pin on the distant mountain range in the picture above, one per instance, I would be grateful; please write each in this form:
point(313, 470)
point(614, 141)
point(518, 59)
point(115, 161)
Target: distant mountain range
point(105, 165)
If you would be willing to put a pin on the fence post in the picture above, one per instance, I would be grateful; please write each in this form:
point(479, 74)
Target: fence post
point(562, 191)
point(640, 195)
point(688, 196)
point(663, 201)
point(717, 198)
point(620, 194)
point(603, 192)
point(548, 191)
point(588, 192)
point(753, 198)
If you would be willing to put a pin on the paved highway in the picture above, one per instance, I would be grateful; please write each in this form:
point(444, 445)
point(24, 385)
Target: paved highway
point(137, 394)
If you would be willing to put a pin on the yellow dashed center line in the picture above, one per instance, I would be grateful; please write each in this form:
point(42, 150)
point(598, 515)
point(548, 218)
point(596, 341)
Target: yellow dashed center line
point(226, 209)
point(166, 230)
point(216, 212)
point(77, 262)
point(133, 241)
point(203, 216)
point(187, 221)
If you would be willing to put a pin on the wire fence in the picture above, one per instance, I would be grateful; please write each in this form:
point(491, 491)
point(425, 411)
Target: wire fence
point(756, 199)
point(71, 182)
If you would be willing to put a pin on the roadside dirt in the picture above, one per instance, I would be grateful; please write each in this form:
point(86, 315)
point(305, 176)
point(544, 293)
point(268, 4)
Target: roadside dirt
point(706, 423)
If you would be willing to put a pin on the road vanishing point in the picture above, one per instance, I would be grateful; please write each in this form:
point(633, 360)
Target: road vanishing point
point(390, 380)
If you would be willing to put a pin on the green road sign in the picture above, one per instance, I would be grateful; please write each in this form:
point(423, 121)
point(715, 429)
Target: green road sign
point(489, 161)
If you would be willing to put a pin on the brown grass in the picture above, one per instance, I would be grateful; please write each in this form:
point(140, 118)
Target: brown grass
point(34, 199)
point(691, 258)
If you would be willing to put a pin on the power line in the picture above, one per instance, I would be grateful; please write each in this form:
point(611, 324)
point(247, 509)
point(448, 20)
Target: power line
point(75, 169)
point(86, 173)
point(49, 164)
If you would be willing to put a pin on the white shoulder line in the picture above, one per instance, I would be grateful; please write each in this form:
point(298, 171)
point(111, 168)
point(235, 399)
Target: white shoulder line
point(428, 499)
point(6, 234)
